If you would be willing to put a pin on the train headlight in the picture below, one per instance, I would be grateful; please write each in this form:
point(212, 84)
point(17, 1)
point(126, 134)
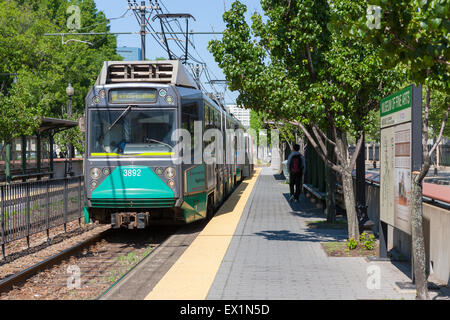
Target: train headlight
point(171, 183)
point(102, 94)
point(106, 171)
point(162, 93)
point(170, 172)
point(94, 184)
point(95, 173)
point(159, 171)
point(96, 100)
point(169, 99)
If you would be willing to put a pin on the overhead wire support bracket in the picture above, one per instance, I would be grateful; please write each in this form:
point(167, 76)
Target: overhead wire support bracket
point(187, 16)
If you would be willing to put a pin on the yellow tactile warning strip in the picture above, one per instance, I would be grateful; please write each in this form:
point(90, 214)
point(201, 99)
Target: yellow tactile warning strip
point(191, 277)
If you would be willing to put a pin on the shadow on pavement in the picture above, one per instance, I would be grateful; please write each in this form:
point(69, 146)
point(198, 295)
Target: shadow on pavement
point(303, 208)
point(444, 293)
point(231, 202)
point(279, 177)
point(403, 266)
point(319, 235)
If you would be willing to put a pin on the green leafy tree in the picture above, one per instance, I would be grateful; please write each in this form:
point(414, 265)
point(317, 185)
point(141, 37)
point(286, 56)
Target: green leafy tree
point(46, 65)
point(21, 103)
point(256, 124)
point(303, 66)
point(415, 33)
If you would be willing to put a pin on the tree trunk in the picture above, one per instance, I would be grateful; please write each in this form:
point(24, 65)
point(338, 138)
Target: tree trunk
point(349, 197)
point(331, 185)
point(331, 196)
point(281, 153)
point(419, 257)
point(344, 165)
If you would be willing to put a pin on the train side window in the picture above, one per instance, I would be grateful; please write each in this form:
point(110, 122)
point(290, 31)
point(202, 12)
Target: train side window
point(217, 119)
point(189, 114)
point(205, 116)
point(209, 117)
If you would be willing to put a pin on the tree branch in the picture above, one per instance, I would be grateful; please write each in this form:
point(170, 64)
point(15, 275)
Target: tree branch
point(357, 149)
point(332, 165)
point(319, 138)
point(310, 63)
point(288, 10)
point(441, 132)
point(443, 61)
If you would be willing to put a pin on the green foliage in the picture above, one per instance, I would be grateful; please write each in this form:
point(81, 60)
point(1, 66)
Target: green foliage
point(413, 33)
point(44, 65)
point(438, 105)
point(352, 243)
point(367, 240)
point(298, 65)
point(256, 123)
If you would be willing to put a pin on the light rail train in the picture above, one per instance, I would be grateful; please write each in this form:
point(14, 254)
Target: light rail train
point(134, 175)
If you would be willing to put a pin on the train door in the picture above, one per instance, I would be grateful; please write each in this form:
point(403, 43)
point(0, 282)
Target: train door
point(226, 172)
point(218, 164)
point(208, 119)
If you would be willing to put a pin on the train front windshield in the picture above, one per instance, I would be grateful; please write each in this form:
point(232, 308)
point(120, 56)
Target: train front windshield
point(131, 132)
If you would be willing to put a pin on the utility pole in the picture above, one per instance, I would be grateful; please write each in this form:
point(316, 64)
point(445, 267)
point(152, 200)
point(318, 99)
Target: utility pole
point(70, 92)
point(143, 30)
point(142, 11)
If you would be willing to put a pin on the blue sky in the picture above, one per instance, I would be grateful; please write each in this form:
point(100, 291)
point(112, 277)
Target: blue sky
point(208, 15)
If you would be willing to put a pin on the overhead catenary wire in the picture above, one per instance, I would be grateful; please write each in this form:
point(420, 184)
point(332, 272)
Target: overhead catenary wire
point(107, 21)
point(152, 32)
point(170, 30)
point(168, 26)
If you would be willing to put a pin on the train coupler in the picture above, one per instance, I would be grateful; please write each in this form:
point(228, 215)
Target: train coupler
point(130, 220)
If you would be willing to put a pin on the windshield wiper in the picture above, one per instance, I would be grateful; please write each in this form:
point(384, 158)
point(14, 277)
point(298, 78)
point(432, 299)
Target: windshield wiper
point(160, 142)
point(120, 117)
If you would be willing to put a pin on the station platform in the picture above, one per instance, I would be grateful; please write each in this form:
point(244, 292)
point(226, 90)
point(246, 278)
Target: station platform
point(258, 247)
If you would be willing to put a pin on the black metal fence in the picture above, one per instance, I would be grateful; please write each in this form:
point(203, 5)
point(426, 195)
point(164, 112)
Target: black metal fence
point(372, 153)
point(444, 155)
point(31, 207)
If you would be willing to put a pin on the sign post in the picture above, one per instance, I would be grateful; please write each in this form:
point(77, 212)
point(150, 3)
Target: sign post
point(400, 155)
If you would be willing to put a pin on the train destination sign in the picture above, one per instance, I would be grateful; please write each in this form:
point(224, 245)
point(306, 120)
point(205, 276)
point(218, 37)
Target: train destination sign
point(133, 96)
point(400, 154)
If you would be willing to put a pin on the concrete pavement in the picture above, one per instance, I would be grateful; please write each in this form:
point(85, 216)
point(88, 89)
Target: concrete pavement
point(273, 255)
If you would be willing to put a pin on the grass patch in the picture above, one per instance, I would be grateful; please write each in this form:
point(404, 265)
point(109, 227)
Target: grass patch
point(340, 249)
point(323, 224)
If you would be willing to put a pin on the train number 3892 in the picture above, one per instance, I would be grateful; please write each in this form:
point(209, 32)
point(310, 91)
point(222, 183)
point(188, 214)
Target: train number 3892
point(132, 172)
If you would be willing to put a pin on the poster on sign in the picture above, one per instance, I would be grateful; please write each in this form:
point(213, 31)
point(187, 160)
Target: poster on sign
point(400, 152)
point(402, 176)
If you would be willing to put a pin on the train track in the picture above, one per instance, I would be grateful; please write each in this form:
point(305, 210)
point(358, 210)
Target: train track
point(86, 270)
point(92, 268)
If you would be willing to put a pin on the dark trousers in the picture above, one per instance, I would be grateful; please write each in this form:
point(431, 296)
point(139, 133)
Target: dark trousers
point(295, 180)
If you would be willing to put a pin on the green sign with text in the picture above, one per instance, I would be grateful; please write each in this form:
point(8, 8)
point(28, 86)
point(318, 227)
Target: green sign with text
point(396, 102)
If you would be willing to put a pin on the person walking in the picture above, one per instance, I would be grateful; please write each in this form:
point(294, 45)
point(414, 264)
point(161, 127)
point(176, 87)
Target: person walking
point(295, 165)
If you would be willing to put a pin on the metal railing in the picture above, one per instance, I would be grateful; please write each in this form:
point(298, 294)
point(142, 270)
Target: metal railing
point(31, 207)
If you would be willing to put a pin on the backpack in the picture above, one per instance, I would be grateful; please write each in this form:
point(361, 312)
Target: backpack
point(296, 164)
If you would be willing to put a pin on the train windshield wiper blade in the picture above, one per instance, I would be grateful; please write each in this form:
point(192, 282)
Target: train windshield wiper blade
point(160, 142)
point(120, 117)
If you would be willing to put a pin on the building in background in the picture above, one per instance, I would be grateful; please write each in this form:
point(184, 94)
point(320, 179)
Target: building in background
point(129, 53)
point(243, 115)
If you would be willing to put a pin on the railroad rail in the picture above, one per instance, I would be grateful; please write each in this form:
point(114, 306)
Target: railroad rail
point(22, 276)
point(101, 261)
